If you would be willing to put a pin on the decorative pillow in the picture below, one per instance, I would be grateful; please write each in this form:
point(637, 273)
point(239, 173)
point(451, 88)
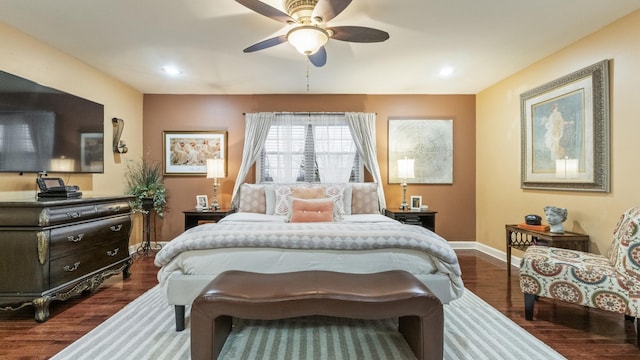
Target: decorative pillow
point(252, 199)
point(316, 192)
point(311, 210)
point(364, 198)
point(283, 202)
point(336, 192)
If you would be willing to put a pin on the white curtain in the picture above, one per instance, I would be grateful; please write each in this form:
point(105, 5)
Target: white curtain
point(363, 129)
point(256, 130)
point(361, 125)
point(287, 151)
point(335, 149)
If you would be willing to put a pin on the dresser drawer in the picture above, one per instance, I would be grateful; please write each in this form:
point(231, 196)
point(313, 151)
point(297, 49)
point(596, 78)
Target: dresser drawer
point(79, 212)
point(86, 235)
point(113, 208)
point(73, 266)
point(66, 214)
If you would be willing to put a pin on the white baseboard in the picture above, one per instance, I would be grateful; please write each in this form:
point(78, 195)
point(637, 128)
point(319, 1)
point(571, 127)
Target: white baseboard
point(494, 253)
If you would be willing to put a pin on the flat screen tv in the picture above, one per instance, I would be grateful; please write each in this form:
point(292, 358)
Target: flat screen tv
point(44, 129)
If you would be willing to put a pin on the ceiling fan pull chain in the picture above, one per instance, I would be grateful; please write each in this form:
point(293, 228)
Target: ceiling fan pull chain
point(308, 61)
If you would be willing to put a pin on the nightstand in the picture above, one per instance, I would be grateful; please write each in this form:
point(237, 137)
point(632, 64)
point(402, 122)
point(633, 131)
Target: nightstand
point(521, 239)
point(194, 218)
point(426, 218)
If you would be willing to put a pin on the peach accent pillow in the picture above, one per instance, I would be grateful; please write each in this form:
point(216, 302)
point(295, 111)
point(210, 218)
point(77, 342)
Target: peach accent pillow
point(311, 210)
point(308, 192)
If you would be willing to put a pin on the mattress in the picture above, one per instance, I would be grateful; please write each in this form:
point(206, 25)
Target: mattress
point(366, 243)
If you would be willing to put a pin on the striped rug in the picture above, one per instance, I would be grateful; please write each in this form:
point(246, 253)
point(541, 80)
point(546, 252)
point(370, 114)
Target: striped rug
point(144, 329)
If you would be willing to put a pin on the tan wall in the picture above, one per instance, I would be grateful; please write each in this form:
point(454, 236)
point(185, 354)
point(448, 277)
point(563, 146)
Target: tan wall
point(26, 57)
point(500, 200)
point(455, 203)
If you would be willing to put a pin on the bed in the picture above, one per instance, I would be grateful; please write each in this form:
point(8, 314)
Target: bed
point(270, 242)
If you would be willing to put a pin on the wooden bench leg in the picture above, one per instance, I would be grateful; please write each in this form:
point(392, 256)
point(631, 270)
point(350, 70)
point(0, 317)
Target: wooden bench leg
point(425, 334)
point(208, 332)
point(221, 330)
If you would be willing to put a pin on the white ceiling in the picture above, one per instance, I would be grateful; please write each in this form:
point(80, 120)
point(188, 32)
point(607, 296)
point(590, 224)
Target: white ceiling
point(483, 40)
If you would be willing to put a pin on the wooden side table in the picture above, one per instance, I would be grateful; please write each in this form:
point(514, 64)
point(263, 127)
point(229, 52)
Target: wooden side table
point(521, 239)
point(194, 218)
point(426, 219)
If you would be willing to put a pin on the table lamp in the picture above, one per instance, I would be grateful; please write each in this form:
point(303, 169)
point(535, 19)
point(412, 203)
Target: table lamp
point(215, 171)
point(405, 171)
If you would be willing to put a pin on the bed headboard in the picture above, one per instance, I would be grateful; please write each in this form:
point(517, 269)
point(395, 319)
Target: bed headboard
point(275, 199)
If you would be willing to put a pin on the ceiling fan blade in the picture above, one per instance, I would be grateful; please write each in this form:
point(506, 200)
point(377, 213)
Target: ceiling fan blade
point(328, 9)
point(266, 43)
point(319, 58)
point(358, 34)
point(267, 10)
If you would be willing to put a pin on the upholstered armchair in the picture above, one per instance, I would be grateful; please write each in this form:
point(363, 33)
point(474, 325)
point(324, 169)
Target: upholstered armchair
point(610, 283)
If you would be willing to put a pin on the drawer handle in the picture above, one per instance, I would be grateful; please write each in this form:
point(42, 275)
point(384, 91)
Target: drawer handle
point(114, 252)
point(72, 268)
point(115, 209)
point(116, 227)
point(75, 240)
point(74, 215)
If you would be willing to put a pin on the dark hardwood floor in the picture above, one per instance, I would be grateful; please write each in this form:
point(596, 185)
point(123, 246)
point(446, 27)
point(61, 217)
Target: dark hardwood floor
point(574, 331)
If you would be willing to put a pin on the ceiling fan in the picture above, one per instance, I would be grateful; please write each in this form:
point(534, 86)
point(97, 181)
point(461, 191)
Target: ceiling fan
point(309, 32)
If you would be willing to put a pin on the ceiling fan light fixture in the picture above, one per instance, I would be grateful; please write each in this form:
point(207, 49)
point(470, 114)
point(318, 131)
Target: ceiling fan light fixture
point(308, 39)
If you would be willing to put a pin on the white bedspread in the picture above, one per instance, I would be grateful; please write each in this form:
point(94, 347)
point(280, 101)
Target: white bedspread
point(263, 243)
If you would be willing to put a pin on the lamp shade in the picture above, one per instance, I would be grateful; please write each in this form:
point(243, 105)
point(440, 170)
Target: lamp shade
point(405, 168)
point(215, 168)
point(307, 39)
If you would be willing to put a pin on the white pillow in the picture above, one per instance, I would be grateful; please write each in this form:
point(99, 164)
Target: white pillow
point(346, 198)
point(270, 198)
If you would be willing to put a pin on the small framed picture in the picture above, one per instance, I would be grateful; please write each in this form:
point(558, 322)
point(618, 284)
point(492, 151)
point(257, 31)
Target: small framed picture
point(416, 202)
point(202, 202)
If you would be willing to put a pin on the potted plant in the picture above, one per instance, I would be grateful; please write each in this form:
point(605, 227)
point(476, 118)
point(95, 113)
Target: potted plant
point(144, 181)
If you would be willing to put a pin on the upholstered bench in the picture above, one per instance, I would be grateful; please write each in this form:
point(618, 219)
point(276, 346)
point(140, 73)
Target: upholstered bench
point(285, 295)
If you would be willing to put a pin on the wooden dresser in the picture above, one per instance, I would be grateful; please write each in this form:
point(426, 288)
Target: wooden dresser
point(56, 248)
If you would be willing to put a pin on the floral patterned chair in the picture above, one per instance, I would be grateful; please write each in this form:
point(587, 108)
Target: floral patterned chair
point(610, 283)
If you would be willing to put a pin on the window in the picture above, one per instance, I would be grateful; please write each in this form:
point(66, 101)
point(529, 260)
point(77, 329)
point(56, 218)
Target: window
point(309, 148)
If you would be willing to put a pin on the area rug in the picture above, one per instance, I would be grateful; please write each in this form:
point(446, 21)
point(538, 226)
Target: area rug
point(145, 329)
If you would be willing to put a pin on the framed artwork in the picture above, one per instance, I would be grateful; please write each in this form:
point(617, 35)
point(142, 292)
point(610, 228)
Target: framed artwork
point(429, 142)
point(565, 132)
point(186, 152)
point(416, 202)
point(202, 201)
point(91, 152)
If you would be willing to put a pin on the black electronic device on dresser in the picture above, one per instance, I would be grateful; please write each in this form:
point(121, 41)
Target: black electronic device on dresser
point(55, 248)
point(55, 187)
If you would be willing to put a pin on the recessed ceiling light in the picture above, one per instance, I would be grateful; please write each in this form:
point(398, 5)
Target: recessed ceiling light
point(446, 71)
point(171, 70)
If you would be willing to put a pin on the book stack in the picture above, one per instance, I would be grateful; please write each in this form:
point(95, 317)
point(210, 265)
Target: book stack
point(534, 227)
